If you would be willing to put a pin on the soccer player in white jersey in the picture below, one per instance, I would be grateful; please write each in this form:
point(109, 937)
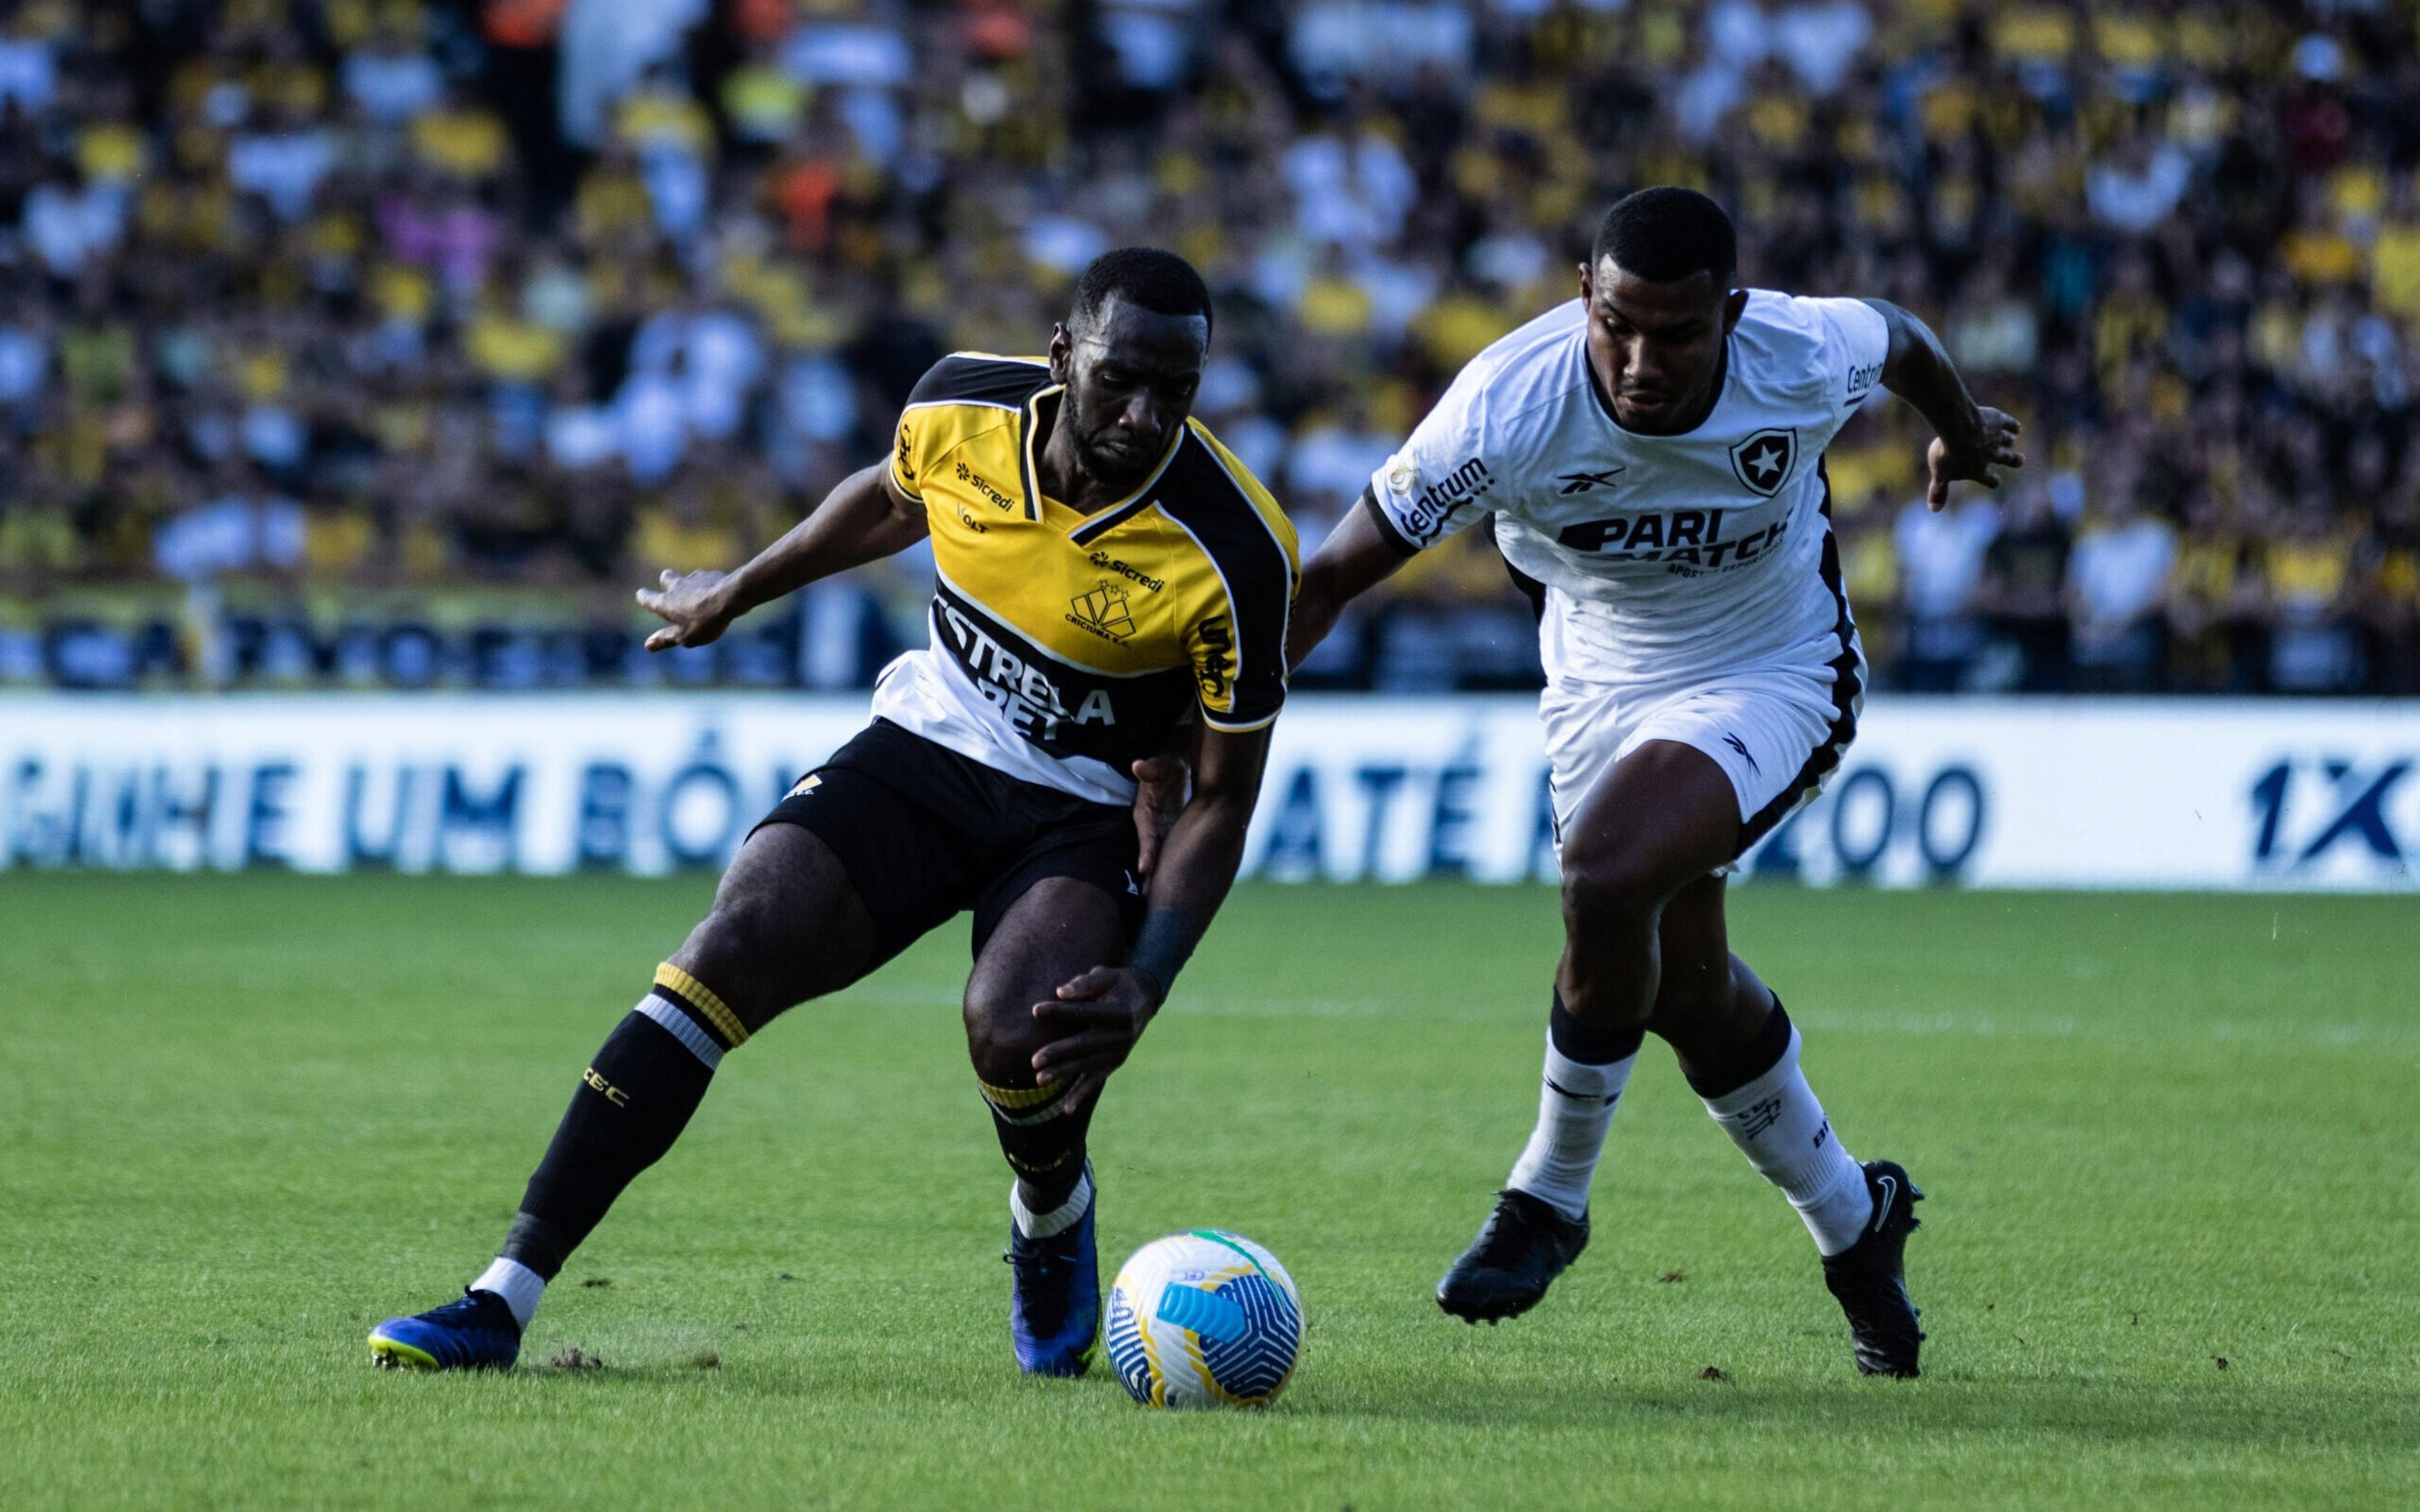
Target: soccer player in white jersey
point(1653, 454)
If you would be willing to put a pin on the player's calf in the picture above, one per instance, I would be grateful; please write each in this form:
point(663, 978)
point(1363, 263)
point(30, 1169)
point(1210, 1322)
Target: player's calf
point(1759, 1097)
point(1055, 1289)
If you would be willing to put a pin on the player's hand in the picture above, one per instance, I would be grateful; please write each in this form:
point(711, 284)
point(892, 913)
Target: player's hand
point(1979, 459)
point(1160, 782)
point(1098, 1016)
point(697, 603)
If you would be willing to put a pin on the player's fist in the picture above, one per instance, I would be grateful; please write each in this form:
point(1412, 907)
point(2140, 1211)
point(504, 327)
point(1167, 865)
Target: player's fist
point(1977, 458)
point(698, 604)
point(1097, 1017)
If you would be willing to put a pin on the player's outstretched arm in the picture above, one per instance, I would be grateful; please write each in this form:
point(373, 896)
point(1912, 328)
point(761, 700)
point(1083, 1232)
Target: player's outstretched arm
point(1360, 553)
point(1972, 442)
point(1101, 1014)
point(864, 519)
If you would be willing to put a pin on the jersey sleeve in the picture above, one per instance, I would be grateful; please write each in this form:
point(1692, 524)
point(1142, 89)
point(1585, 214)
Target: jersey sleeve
point(956, 382)
point(1434, 485)
point(910, 447)
point(1239, 645)
point(1238, 653)
point(1854, 340)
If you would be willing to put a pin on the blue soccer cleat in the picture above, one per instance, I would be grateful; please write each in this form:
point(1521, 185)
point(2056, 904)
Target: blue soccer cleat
point(1054, 1312)
point(477, 1332)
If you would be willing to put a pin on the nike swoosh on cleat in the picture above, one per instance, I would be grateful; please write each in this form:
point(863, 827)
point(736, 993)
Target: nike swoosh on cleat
point(1890, 1194)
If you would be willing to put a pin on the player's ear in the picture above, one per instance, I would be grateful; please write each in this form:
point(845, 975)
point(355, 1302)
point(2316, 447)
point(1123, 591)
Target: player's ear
point(1062, 347)
point(1735, 305)
point(1587, 286)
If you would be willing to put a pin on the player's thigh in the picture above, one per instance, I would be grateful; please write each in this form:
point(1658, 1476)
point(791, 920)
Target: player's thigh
point(1662, 817)
point(787, 924)
point(1052, 931)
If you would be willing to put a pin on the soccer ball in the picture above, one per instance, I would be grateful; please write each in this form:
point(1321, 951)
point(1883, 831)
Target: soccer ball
point(1203, 1318)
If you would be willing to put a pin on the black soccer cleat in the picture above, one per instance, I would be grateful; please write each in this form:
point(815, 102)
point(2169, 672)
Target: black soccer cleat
point(1868, 1281)
point(1520, 1250)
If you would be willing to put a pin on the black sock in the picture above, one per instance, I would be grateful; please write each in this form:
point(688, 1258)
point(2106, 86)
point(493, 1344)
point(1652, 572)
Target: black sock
point(632, 1103)
point(1590, 1045)
point(1043, 1141)
point(1730, 1072)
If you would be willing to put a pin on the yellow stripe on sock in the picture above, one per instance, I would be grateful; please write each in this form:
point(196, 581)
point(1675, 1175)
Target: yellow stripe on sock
point(700, 996)
point(1009, 1099)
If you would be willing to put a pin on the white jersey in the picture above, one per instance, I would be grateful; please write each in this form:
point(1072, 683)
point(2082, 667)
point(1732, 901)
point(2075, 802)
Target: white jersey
point(1675, 557)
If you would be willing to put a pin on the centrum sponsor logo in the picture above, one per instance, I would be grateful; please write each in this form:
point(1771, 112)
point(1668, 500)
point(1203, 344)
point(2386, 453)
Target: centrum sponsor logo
point(1108, 563)
point(1424, 515)
point(982, 486)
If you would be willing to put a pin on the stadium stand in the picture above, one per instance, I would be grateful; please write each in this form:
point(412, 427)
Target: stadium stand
point(373, 343)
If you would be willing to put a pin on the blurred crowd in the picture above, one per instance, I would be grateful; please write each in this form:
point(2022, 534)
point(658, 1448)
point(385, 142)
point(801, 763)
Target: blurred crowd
point(392, 342)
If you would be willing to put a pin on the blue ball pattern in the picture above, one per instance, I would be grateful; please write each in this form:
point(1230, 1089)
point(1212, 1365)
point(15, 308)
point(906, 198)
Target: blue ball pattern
point(1125, 1340)
point(1256, 1362)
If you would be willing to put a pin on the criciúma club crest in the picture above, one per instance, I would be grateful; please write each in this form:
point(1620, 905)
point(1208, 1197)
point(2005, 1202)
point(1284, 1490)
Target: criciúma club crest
point(1103, 611)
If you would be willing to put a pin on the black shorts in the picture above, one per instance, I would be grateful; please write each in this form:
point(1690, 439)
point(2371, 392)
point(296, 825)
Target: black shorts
point(925, 833)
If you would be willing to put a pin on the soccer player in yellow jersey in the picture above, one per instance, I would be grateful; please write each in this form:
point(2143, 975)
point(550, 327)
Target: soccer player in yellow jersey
point(1108, 573)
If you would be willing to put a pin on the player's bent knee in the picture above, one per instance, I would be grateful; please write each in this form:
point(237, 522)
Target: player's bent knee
point(1002, 1034)
point(1600, 890)
point(737, 950)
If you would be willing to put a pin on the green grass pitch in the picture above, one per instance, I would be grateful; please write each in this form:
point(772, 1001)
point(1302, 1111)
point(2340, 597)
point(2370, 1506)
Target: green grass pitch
point(2172, 1254)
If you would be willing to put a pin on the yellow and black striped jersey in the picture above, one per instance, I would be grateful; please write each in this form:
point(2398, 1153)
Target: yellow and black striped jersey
point(1067, 645)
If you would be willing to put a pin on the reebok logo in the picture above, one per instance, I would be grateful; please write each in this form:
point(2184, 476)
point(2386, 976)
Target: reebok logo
point(1736, 744)
point(1588, 482)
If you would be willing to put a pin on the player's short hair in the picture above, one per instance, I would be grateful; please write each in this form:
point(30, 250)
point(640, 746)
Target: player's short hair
point(1161, 282)
point(1667, 234)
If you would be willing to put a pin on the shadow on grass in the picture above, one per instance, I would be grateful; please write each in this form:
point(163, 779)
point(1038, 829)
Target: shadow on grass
point(2296, 1414)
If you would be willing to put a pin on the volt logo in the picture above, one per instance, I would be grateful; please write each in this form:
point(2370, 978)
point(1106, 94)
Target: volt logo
point(2355, 801)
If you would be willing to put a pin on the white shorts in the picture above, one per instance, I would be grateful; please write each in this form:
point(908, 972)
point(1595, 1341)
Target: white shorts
point(1777, 731)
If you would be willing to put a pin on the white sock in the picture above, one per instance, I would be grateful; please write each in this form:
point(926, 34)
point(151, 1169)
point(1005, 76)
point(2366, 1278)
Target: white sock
point(1043, 1225)
point(520, 1286)
point(1575, 1103)
point(1781, 1129)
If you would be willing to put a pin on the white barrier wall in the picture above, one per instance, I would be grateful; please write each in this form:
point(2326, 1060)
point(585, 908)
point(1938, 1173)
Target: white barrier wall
point(1985, 792)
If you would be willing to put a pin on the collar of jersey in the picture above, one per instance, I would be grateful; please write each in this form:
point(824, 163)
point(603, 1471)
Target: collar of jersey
point(1605, 406)
point(1101, 520)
